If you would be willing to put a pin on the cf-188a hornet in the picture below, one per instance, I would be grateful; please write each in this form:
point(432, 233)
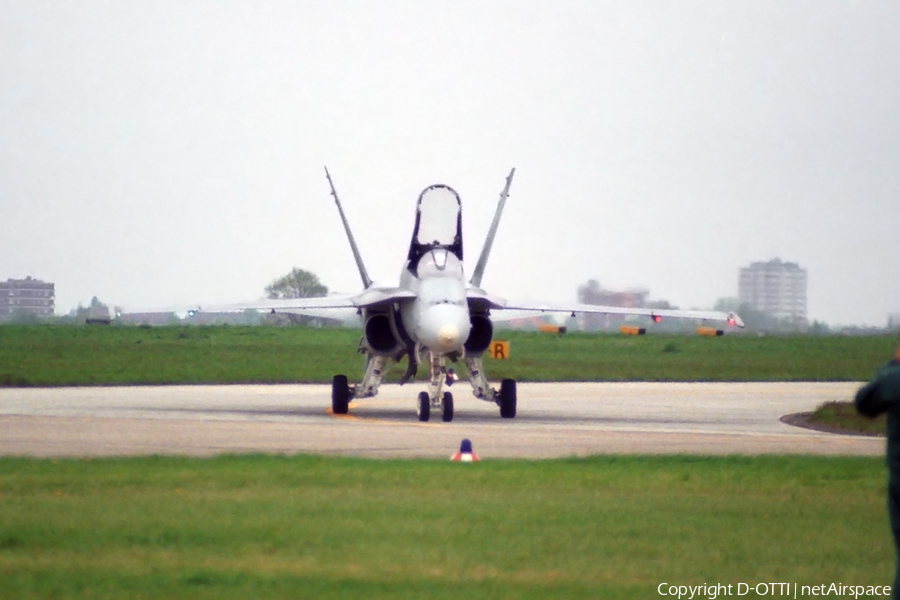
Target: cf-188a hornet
point(434, 314)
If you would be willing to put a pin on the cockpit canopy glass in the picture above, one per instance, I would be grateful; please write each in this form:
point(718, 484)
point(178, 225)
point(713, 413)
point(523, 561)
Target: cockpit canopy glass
point(439, 209)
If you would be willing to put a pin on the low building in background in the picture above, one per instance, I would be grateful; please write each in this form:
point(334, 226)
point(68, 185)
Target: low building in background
point(148, 318)
point(247, 317)
point(98, 315)
point(26, 297)
point(776, 288)
point(594, 293)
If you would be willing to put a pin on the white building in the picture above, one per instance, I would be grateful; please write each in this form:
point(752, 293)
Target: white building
point(27, 296)
point(776, 288)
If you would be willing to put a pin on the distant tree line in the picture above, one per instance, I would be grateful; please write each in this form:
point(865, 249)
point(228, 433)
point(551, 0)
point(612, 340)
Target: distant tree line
point(298, 283)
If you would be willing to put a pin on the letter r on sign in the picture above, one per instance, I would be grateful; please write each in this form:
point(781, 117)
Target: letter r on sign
point(500, 350)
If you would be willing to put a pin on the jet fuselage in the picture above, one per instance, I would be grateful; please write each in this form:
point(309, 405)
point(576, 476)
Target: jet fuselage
point(438, 317)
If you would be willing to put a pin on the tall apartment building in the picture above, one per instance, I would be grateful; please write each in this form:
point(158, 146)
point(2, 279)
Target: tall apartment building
point(776, 288)
point(26, 295)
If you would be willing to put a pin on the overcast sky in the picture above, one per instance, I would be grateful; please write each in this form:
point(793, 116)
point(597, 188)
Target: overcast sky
point(162, 153)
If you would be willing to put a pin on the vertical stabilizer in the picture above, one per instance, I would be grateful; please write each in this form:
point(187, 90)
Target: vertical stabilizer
point(489, 241)
point(364, 275)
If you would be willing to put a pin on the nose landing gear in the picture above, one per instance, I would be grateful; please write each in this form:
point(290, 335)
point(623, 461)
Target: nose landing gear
point(433, 398)
point(447, 414)
point(424, 407)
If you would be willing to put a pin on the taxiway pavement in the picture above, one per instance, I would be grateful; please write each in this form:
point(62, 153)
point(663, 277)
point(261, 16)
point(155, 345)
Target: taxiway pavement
point(554, 419)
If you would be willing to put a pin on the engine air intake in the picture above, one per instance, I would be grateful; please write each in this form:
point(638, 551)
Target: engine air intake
point(480, 335)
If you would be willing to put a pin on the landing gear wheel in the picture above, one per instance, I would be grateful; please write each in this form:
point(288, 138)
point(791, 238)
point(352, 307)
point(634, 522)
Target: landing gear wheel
point(447, 415)
point(508, 398)
point(424, 410)
point(340, 395)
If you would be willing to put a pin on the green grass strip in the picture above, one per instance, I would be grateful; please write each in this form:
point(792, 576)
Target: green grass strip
point(53, 355)
point(317, 527)
point(844, 418)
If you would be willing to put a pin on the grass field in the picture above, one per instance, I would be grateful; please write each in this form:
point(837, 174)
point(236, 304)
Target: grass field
point(324, 527)
point(314, 527)
point(843, 416)
point(78, 355)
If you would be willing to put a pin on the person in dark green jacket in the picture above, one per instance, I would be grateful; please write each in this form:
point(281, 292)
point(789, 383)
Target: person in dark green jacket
point(881, 395)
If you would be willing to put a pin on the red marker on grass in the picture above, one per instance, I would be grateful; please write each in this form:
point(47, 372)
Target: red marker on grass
point(465, 453)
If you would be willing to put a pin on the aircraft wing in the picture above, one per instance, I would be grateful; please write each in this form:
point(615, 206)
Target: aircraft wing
point(477, 297)
point(705, 315)
point(372, 296)
point(286, 305)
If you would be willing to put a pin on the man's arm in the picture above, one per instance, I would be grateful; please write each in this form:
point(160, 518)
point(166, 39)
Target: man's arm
point(866, 401)
point(882, 393)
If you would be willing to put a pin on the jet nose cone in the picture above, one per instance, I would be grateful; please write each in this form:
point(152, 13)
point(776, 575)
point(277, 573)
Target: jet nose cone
point(448, 336)
point(443, 328)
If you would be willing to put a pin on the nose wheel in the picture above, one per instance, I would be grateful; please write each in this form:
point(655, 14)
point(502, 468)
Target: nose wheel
point(435, 398)
point(447, 413)
point(424, 406)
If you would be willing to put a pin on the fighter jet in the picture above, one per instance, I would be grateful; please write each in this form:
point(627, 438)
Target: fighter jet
point(435, 315)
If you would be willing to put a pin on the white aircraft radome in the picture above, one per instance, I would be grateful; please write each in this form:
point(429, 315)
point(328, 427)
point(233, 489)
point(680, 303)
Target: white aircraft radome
point(434, 314)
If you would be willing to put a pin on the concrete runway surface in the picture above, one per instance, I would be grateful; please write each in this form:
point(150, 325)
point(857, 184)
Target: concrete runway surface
point(554, 419)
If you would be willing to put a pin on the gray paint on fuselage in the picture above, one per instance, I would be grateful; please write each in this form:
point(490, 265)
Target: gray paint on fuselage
point(438, 317)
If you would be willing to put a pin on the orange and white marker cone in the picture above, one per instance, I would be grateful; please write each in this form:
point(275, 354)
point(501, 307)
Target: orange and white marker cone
point(465, 453)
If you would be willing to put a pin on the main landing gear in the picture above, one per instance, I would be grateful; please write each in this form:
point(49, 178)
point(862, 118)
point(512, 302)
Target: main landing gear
point(340, 395)
point(342, 392)
point(435, 398)
point(505, 397)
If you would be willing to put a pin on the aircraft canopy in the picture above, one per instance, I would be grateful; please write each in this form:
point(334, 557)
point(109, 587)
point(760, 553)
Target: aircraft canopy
point(438, 222)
